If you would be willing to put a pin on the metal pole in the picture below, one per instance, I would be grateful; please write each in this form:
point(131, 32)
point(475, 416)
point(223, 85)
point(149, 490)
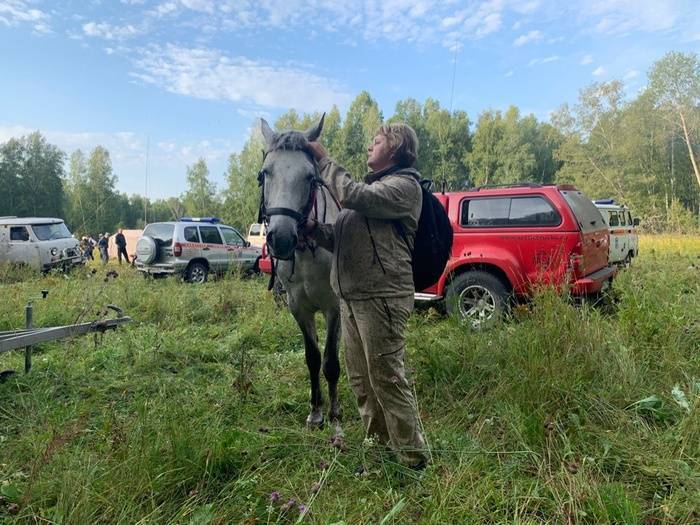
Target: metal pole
point(28, 317)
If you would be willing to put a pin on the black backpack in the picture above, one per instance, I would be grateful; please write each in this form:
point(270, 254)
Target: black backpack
point(432, 244)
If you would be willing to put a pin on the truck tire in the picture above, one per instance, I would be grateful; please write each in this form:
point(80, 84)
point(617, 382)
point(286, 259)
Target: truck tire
point(146, 249)
point(197, 273)
point(477, 298)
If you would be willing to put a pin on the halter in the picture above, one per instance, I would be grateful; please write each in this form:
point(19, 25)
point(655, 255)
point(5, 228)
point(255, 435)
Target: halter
point(300, 216)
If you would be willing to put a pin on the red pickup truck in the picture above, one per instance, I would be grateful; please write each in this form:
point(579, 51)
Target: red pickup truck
point(510, 240)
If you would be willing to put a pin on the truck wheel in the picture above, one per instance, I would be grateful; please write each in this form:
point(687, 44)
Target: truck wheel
point(197, 273)
point(476, 297)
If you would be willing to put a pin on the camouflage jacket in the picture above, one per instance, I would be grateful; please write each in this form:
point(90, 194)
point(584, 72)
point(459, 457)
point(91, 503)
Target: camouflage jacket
point(370, 257)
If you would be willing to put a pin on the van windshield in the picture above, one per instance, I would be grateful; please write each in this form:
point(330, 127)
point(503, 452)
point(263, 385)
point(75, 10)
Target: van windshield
point(49, 232)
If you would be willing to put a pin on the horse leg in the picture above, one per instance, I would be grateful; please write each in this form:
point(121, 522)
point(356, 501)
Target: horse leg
point(307, 323)
point(331, 366)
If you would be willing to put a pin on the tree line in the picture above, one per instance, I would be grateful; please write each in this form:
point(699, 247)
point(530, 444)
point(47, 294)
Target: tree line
point(641, 150)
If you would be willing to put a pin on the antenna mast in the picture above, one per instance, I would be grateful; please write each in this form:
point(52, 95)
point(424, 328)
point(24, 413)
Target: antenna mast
point(145, 198)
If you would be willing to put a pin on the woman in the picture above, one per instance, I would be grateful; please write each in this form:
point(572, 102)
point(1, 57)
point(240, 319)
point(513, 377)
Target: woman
point(373, 277)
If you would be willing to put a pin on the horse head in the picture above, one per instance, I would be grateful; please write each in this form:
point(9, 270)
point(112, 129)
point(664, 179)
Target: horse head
point(288, 178)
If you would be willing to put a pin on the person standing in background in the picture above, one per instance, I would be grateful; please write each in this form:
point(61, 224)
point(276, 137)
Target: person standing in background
point(120, 241)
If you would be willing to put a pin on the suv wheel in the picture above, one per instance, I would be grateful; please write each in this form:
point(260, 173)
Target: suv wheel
point(477, 297)
point(197, 273)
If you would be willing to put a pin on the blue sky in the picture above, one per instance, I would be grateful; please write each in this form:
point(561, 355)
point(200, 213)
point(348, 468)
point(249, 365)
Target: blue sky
point(188, 78)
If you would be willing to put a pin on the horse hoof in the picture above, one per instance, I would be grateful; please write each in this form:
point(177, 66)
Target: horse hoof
point(314, 421)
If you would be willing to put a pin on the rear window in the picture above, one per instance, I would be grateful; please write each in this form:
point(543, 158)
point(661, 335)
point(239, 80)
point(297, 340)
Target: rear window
point(161, 232)
point(508, 211)
point(587, 215)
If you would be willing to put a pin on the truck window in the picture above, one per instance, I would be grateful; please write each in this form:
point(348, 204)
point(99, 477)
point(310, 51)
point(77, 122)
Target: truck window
point(629, 219)
point(485, 212)
point(532, 211)
point(191, 234)
point(614, 219)
point(255, 229)
point(587, 215)
point(19, 233)
point(210, 235)
point(623, 221)
point(232, 237)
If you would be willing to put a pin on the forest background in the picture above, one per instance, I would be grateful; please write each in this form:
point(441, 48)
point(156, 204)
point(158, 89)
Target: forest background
point(641, 150)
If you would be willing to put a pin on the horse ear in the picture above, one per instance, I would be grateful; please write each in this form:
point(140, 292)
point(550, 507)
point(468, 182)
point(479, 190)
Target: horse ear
point(267, 133)
point(315, 131)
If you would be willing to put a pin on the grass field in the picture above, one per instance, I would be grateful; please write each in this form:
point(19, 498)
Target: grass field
point(194, 412)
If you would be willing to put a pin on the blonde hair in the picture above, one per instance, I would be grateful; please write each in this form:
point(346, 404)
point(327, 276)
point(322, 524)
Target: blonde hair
point(403, 141)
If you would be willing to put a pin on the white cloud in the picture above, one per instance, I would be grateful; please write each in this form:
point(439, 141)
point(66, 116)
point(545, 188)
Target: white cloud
point(630, 74)
point(545, 60)
point(532, 36)
point(623, 16)
point(587, 59)
point(209, 74)
point(14, 12)
point(599, 71)
point(109, 31)
point(525, 6)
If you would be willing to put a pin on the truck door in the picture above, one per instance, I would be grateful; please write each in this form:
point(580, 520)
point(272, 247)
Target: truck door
point(617, 236)
point(241, 253)
point(21, 249)
point(213, 248)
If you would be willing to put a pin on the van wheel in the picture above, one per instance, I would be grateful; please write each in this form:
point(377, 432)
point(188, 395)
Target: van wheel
point(196, 273)
point(476, 297)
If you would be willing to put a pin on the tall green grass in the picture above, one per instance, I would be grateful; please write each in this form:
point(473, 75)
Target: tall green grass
point(194, 412)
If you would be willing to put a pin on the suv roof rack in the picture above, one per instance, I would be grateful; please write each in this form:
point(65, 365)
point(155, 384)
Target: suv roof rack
point(511, 185)
point(211, 220)
point(604, 201)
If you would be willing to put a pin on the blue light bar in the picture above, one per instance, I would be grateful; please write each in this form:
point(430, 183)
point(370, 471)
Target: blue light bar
point(605, 201)
point(211, 220)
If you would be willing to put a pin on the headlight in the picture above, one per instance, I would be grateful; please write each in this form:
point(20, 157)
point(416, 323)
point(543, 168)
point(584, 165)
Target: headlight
point(54, 251)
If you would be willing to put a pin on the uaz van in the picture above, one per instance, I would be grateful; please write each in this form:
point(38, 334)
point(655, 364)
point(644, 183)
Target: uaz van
point(39, 243)
point(624, 242)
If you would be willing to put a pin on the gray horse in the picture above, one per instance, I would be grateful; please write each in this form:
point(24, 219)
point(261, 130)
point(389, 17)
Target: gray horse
point(292, 192)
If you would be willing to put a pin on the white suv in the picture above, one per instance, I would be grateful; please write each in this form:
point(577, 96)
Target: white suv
point(194, 248)
point(624, 242)
point(38, 242)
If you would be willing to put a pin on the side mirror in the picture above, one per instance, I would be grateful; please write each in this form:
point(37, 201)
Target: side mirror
point(635, 221)
point(247, 244)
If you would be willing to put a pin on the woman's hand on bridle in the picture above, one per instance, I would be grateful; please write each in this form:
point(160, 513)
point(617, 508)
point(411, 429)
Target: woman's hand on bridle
point(317, 150)
point(308, 227)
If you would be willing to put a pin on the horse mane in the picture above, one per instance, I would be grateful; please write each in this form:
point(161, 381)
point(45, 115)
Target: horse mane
point(289, 140)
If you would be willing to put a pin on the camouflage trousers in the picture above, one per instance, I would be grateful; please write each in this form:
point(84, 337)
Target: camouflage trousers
point(373, 334)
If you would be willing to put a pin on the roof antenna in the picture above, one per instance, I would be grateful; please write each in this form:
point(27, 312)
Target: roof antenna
point(455, 48)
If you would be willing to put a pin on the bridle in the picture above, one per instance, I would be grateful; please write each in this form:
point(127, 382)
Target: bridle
point(300, 216)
